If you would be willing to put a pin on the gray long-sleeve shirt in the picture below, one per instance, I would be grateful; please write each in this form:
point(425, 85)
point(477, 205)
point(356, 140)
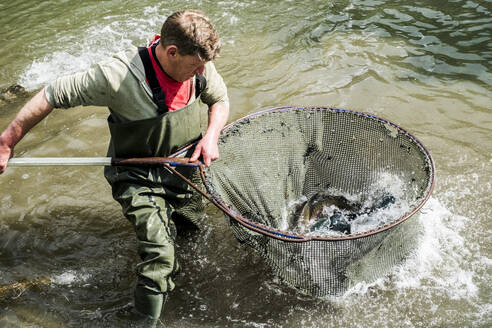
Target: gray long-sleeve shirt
point(119, 83)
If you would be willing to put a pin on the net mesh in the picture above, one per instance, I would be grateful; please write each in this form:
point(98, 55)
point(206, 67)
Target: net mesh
point(272, 159)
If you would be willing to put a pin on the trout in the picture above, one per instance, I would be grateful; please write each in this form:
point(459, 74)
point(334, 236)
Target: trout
point(313, 210)
point(345, 211)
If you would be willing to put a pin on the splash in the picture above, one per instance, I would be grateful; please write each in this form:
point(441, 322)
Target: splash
point(442, 258)
point(97, 43)
point(441, 279)
point(70, 277)
point(440, 263)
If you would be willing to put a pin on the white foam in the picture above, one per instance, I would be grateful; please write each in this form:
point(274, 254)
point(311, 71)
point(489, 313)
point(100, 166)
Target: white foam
point(441, 261)
point(47, 69)
point(389, 184)
point(69, 278)
point(442, 256)
point(77, 53)
point(284, 223)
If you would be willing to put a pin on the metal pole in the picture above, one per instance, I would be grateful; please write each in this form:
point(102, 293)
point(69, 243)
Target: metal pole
point(48, 161)
point(101, 161)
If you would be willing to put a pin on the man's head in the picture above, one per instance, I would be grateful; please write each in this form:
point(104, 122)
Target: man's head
point(192, 33)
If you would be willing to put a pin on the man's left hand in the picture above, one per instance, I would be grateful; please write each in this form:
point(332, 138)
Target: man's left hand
point(208, 149)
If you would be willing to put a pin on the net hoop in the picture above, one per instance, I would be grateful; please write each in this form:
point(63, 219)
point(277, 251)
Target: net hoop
point(296, 237)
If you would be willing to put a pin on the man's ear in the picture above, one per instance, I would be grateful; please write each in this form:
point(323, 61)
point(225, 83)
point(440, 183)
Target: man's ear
point(171, 51)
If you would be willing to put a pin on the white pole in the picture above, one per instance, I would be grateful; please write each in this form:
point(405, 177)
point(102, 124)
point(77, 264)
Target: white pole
point(47, 161)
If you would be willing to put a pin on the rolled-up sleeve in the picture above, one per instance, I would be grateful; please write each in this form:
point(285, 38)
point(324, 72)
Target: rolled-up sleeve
point(84, 88)
point(216, 91)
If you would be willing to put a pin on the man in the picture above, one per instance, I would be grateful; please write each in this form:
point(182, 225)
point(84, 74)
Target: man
point(153, 95)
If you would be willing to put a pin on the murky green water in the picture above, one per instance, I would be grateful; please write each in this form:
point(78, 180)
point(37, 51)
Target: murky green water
point(423, 64)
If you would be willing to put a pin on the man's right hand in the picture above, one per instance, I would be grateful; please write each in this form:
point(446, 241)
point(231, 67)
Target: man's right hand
point(6, 152)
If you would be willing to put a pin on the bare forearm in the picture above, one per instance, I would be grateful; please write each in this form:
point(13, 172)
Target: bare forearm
point(34, 111)
point(207, 146)
point(31, 114)
point(218, 116)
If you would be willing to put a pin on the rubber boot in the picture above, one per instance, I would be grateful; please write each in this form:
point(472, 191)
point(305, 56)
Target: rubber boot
point(148, 305)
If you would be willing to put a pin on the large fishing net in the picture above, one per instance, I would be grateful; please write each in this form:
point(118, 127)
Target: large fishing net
point(323, 194)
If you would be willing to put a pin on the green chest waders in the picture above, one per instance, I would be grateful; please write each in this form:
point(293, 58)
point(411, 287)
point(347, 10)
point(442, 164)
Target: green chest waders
point(149, 196)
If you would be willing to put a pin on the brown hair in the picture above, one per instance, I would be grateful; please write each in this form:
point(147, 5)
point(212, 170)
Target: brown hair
point(192, 33)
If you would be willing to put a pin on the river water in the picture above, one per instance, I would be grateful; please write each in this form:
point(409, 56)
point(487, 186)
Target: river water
point(425, 65)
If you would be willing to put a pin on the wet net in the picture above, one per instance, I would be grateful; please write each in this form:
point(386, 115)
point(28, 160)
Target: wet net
point(323, 194)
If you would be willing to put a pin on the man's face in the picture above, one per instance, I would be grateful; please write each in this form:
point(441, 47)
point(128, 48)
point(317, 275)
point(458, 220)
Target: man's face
point(184, 68)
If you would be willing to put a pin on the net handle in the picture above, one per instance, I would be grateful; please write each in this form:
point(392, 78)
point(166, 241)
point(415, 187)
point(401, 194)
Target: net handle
point(101, 161)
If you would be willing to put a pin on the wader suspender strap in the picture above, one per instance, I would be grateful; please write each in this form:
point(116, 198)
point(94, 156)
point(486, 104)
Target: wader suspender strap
point(157, 93)
point(200, 84)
